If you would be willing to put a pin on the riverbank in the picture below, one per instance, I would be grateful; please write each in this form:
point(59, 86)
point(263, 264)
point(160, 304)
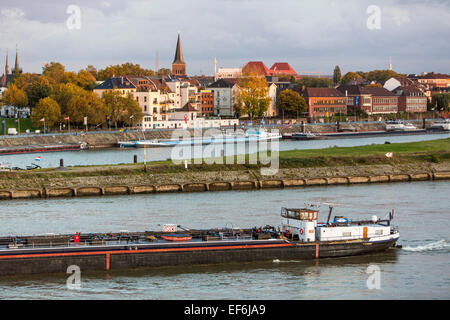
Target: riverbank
point(426, 160)
point(106, 139)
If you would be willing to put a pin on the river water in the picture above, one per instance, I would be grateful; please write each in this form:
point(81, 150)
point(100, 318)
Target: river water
point(420, 270)
point(119, 156)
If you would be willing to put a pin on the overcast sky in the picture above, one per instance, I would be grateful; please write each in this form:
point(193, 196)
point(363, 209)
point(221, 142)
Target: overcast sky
point(310, 35)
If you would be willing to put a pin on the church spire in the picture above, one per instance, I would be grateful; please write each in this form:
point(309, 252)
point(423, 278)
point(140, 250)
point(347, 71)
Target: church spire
point(179, 52)
point(178, 64)
point(16, 66)
point(7, 64)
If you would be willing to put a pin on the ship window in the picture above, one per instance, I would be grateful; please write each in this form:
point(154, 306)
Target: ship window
point(346, 234)
point(378, 232)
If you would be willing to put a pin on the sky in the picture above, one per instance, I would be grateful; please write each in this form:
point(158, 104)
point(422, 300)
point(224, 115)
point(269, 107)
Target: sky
point(313, 36)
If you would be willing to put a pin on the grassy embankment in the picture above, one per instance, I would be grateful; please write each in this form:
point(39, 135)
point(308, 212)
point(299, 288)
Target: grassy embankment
point(24, 125)
point(435, 151)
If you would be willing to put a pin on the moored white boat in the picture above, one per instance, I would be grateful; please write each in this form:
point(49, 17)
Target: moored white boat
point(441, 125)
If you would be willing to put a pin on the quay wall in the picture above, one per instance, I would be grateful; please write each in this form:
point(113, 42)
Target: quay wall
point(214, 181)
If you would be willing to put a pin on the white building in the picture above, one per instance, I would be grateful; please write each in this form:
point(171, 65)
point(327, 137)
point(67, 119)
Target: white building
point(226, 73)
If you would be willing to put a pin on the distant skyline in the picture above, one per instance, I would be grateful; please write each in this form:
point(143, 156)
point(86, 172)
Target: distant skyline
point(310, 36)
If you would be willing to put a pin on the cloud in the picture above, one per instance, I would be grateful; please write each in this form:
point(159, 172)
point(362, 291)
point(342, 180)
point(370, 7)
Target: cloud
point(309, 35)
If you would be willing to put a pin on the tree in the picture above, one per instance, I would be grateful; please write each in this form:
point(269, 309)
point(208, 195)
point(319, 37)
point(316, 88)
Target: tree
point(124, 69)
point(350, 76)
point(440, 101)
point(253, 97)
point(38, 89)
point(86, 80)
point(48, 109)
point(336, 75)
point(63, 94)
point(54, 71)
point(92, 70)
point(291, 103)
point(14, 96)
point(86, 105)
point(119, 109)
point(313, 82)
point(381, 75)
point(163, 72)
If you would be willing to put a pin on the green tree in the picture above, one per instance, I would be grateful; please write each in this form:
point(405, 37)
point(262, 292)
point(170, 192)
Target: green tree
point(119, 109)
point(14, 96)
point(440, 101)
point(350, 76)
point(291, 103)
point(48, 109)
point(38, 89)
point(253, 97)
point(381, 75)
point(336, 75)
point(313, 82)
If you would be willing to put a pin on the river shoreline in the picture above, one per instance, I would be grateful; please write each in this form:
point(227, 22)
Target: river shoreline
point(104, 185)
point(413, 161)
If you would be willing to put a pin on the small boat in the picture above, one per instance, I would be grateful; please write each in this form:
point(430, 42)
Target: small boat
point(443, 125)
point(304, 136)
point(398, 125)
point(126, 144)
point(176, 237)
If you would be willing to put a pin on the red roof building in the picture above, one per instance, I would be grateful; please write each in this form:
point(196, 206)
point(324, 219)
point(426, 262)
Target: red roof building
point(257, 68)
point(324, 101)
point(282, 68)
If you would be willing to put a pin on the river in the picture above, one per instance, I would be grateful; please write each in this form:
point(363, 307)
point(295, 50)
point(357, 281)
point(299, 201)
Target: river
point(417, 271)
point(126, 155)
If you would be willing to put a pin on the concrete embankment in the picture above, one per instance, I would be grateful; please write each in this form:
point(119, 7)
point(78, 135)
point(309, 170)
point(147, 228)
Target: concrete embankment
point(60, 185)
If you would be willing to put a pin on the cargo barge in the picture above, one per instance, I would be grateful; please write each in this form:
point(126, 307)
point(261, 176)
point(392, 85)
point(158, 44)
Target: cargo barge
point(300, 236)
point(43, 148)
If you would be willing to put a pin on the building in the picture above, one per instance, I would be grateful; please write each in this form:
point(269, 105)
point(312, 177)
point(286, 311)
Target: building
point(224, 96)
point(207, 102)
point(282, 69)
point(383, 101)
point(324, 101)
point(7, 111)
point(434, 80)
point(257, 68)
point(373, 100)
point(396, 82)
point(411, 99)
point(8, 77)
point(226, 73)
point(357, 97)
point(272, 109)
point(204, 81)
point(178, 64)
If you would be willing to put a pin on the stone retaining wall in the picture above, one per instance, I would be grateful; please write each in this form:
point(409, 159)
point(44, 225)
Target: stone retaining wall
point(216, 186)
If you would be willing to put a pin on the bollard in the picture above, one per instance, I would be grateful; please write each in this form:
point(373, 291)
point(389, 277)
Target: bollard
point(61, 163)
point(135, 158)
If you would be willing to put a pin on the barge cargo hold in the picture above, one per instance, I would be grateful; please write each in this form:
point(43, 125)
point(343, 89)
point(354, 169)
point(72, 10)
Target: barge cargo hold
point(300, 237)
